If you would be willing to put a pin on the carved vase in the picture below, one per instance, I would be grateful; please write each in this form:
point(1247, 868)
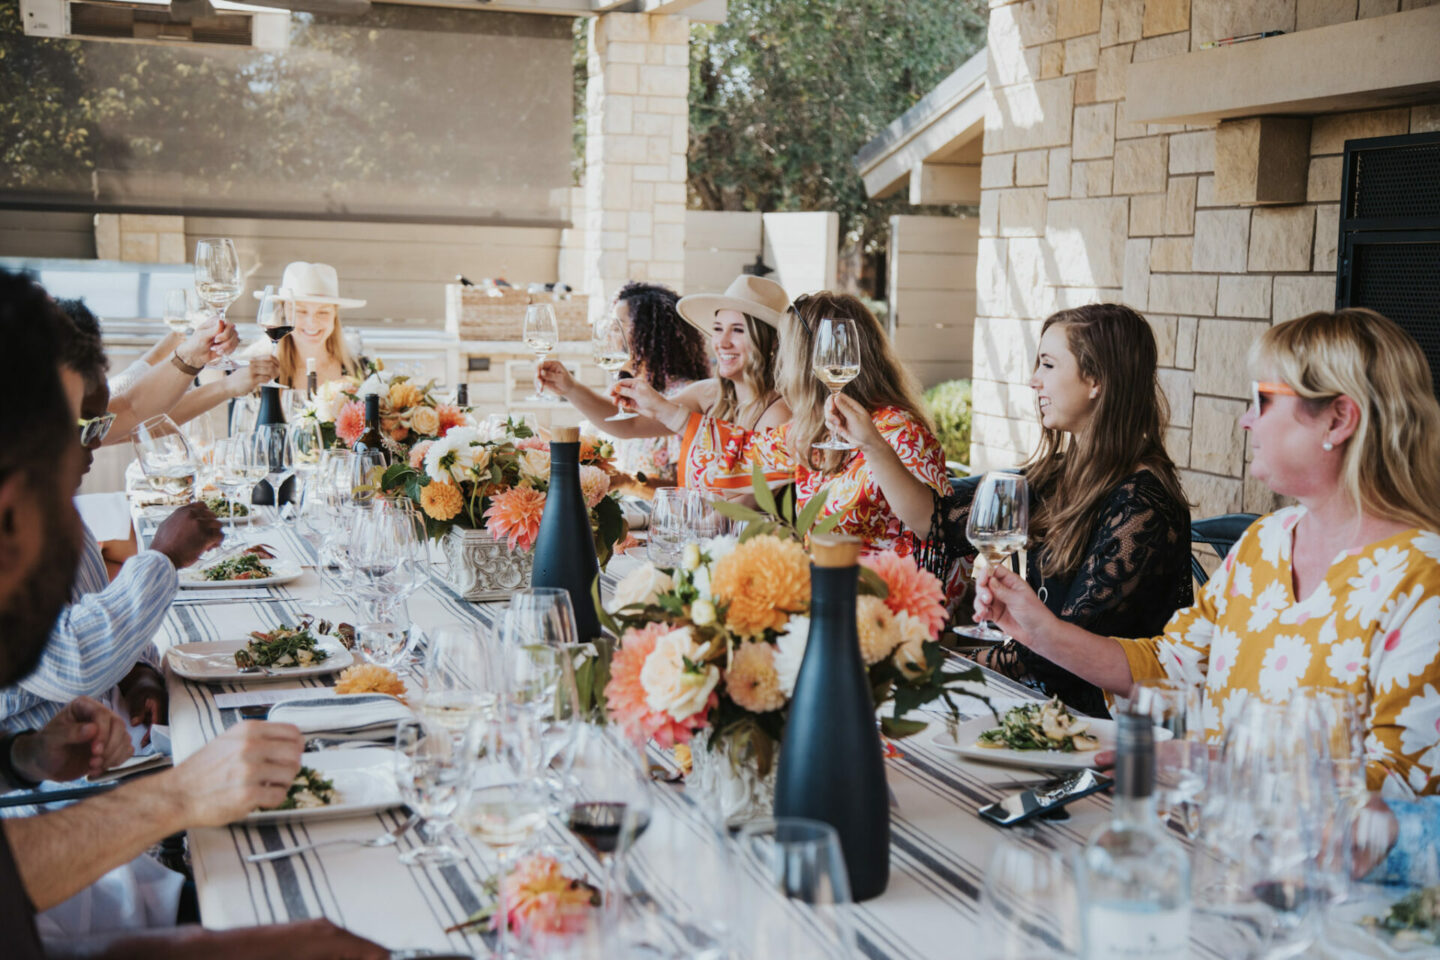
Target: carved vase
point(480, 567)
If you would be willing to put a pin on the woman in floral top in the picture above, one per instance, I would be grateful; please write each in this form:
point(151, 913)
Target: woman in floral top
point(1342, 590)
point(720, 456)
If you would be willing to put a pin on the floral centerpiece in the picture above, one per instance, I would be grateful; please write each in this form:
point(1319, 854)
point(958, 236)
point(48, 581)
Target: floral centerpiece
point(410, 413)
point(710, 650)
point(539, 901)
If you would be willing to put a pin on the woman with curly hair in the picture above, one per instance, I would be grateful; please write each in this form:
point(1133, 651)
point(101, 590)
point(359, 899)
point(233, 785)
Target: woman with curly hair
point(742, 328)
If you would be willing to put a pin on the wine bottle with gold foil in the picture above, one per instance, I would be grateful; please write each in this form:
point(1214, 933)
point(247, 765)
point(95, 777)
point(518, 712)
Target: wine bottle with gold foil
point(565, 545)
point(370, 439)
point(832, 767)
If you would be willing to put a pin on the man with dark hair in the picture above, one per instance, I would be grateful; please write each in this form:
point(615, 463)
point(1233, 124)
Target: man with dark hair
point(47, 858)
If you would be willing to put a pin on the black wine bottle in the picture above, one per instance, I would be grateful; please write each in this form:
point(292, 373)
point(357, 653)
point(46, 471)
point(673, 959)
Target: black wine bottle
point(370, 439)
point(831, 767)
point(462, 395)
point(271, 413)
point(565, 545)
point(312, 379)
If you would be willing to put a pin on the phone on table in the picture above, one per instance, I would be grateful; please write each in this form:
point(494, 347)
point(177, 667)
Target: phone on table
point(1038, 801)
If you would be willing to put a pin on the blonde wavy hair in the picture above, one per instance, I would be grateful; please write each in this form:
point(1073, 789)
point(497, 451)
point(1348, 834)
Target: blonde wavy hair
point(883, 381)
point(758, 372)
point(288, 356)
point(1391, 466)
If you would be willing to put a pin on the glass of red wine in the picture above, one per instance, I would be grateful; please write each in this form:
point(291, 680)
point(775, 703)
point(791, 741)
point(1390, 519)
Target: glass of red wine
point(274, 319)
point(611, 805)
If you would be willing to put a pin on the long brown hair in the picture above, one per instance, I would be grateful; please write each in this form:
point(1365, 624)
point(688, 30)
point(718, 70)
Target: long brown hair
point(1391, 467)
point(758, 372)
point(883, 381)
point(288, 355)
point(1071, 474)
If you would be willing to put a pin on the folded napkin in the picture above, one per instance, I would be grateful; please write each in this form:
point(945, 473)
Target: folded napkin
point(636, 512)
point(222, 595)
point(360, 716)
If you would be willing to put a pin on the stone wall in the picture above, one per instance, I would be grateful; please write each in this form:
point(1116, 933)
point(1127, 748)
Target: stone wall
point(1080, 204)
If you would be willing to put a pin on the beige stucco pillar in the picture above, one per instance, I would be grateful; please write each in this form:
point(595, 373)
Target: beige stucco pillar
point(637, 132)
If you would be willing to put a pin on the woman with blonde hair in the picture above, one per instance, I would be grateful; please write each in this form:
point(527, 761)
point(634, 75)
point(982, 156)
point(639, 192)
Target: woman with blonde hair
point(787, 454)
point(1109, 525)
point(312, 296)
point(1342, 590)
point(741, 324)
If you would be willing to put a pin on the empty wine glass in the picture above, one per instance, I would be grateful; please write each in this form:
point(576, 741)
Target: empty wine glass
point(218, 282)
point(541, 334)
point(432, 769)
point(366, 471)
point(612, 353)
point(243, 462)
point(836, 361)
point(669, 516)
point(273, 445)
point(166, 458)
point(998, 526)
point(307, 442)
point(797, 892)
point(1029, 902)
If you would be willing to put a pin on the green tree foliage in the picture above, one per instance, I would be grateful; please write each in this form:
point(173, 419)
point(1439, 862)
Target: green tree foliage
point(949, 406)
point(784, 92)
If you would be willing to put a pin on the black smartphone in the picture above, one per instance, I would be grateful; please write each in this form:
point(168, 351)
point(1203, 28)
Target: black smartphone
point(1019, 807)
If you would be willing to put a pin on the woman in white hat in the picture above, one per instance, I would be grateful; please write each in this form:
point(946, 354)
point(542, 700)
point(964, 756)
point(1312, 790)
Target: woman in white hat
point(312, 294)
point(743, 326)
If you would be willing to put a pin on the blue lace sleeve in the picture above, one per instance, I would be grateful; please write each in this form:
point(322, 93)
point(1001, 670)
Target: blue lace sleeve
point(1412, 859)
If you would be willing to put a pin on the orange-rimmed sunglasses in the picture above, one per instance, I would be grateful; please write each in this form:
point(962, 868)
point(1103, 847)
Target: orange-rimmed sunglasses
point(1264, 388)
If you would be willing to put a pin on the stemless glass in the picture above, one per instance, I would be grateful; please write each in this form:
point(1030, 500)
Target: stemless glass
point(1181, 761)
point(612, 352)
point(669, 515)
point(836, 361)
point(1030, 905)
point(432, 769)
point(541, 334)
point(797, 892)
point(218, 282)
point(998, 526)
point(165, 458)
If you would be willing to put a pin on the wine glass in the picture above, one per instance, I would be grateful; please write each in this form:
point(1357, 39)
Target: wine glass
point(612, 799)
point(541, 333)
point(836, 361)
point(218, 282)
point(307, 443)
point(273, 448)
point(1030, 905)
point(366, 470)
point(684, 854)
point(243, 463)
point(798, 891)
point(998, 526)
point(669, 516)
point(165, 458)
point(273, 316)
point(377, 549)
point(1181, 761)
point(612, 353)
point(432, 769)
point(462, 680)
point(179, 309)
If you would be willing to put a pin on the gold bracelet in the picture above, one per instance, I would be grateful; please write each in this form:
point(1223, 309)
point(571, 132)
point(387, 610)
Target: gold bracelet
point(184, 367)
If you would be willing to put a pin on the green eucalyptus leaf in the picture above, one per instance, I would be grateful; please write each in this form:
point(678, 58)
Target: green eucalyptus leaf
point(872, 583)
point(736, 511)
point(764, 499)
point(812, 510)
point(826, 524)
point(897, 729)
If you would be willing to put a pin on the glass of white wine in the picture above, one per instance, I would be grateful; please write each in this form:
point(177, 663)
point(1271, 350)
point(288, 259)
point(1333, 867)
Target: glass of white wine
point(999, 525)
point(179, 309)
point(541, 333)
point(836, 361)
point(166, 458)
point(432, 769)
point(218, 281)
point(612, 353)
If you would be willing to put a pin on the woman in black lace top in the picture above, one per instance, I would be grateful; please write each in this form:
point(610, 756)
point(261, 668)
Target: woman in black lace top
point(1109, 527)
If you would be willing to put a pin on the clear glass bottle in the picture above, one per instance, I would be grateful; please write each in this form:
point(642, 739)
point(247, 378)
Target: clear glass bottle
point(1133, 878)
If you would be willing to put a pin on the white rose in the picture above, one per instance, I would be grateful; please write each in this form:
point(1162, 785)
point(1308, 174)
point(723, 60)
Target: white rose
point(671, 688)
point(703, 613)
point(535, 464)
point(641, 585)
point(909, 656)
point(476, 458)
point(691, 558)
point(373, 386)
point(328, 401)
point(790, 652)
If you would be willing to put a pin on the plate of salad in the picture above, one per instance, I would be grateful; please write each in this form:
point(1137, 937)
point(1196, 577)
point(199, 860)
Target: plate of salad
point(338, 783)
point(1044, 734)
point(255, 566)
point(304, 650)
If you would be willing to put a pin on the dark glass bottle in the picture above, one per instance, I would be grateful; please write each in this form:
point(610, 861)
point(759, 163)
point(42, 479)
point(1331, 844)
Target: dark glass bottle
point(462, 395)
point(271, 412)
point(831, 765)
point(565, 545)
point(312, 379)
point(370, 439)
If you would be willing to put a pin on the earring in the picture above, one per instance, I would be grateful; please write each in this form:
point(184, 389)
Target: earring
point(1327, 446)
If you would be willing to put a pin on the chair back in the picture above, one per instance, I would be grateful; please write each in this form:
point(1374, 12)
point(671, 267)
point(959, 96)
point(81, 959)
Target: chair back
point(1218, 533)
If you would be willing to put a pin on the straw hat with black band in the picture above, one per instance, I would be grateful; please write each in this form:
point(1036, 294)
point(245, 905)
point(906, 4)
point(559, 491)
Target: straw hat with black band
point(765, 300)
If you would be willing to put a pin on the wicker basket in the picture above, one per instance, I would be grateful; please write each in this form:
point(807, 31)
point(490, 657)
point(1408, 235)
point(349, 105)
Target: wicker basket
point(472, 313)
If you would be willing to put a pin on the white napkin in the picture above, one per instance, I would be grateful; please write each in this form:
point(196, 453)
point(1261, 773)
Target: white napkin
point(106, 514)
point(636, 512)
point(364, 713)
point(219, 594)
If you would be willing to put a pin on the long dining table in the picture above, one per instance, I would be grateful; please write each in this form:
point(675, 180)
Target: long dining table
point(939, 846)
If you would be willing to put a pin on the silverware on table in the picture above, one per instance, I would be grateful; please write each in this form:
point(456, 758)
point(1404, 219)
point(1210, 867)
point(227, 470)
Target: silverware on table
point(388, 839)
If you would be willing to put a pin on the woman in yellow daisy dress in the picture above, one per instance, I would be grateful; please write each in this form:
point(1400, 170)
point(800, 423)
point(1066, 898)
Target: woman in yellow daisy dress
point(1342, 590)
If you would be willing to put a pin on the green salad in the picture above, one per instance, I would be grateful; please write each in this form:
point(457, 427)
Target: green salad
point(1040, 726)
point(224, 508)
point(1414, 918)
point(281, 647)
point(307, 791)
point(246, 566)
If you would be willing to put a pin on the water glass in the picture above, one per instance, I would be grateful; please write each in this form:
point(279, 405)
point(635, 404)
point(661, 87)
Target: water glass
point(673, 906)
point(433, 772)
point(1029, 904)
point(1181, 762)
point(797, 892)
point(383, 643)
point(669, 526)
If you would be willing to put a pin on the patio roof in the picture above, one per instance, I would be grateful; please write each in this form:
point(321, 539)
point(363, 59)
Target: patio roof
point(699, 11)
point(934, 146)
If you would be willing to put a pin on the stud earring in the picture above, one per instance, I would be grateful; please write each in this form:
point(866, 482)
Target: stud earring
point(1327, 446)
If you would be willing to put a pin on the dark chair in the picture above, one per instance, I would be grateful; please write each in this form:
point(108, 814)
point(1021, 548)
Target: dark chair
point(1220, 534)
point(965, 483)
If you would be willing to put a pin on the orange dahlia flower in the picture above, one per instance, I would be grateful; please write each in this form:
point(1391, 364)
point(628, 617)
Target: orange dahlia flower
point(912, 590)
point(442, 501)
point(350, 422)
point(450, 416)
point(404, 395)
point(763, 581)
point(515, 516)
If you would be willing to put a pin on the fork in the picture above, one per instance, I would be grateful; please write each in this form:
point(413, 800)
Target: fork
point(388, 839)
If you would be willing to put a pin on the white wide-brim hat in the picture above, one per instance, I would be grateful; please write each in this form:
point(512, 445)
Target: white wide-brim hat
point(760, 298)
point(312, 283)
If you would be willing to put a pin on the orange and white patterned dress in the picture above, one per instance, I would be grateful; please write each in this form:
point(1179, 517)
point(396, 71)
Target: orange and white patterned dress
point(719, 457)
point(1372, 627)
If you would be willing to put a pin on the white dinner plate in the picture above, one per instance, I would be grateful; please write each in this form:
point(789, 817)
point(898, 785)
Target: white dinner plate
point(364, 781)
point(282, 570)
point(968, 733)
point(214, 662)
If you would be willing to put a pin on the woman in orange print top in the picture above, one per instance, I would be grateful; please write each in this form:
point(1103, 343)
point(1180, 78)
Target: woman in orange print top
point(787, 453)
point(1342, 590)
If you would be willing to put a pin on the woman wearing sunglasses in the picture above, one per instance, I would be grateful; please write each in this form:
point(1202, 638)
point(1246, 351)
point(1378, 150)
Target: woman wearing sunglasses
point(1342, 590)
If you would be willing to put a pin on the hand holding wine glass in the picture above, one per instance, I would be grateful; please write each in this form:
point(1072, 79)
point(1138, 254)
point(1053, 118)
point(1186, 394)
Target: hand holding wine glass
point(998, 526)
point(541, 334)
point(166, 458)
point(612, 353)
point(836, 361)
point(273, 316)
point(218, 281)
